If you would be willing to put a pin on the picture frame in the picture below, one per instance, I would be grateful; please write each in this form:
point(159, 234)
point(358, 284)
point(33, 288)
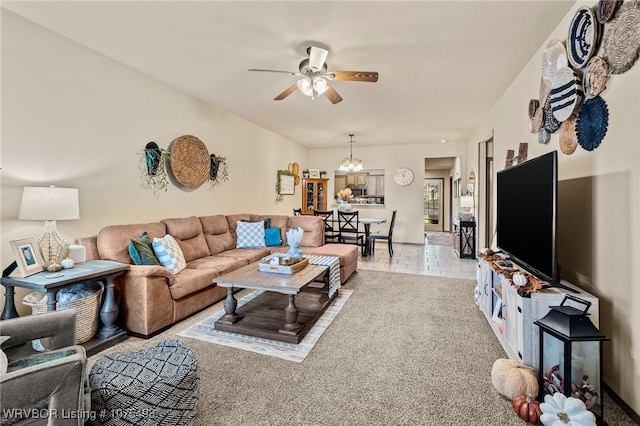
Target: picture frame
point(28, 256)
point(314, 173)
point(287, 185)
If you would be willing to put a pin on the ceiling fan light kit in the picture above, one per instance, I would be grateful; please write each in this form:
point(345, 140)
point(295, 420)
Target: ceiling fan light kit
point(313, 71)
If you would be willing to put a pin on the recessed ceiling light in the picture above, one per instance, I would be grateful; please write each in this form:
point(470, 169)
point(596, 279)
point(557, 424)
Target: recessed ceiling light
point(443, 140)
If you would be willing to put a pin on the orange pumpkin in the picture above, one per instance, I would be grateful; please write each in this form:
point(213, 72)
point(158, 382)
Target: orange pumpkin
point(527, 408)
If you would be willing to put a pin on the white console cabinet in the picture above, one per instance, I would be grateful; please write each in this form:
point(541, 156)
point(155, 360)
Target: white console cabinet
point(511, 313)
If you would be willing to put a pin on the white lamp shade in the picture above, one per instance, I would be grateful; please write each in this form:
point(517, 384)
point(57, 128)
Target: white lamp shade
point(466, 202)
point(305, 86)
point(320, 85)
point(49, 203)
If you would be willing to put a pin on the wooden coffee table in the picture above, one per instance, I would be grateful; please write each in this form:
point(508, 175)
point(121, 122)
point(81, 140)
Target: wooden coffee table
point(285, 311)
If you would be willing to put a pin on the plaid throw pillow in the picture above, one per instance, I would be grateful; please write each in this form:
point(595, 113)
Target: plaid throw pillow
point(250, 234)
point(169, 253)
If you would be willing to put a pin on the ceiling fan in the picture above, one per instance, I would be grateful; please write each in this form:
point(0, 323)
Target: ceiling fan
point(313, 71)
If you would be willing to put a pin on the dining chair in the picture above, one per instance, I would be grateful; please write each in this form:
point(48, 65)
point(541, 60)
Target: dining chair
point(349, 229)
point(297, 212)
point(388, 237)
point(330, 234)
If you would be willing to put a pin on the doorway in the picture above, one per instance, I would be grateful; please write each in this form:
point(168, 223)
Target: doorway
point(433, 198)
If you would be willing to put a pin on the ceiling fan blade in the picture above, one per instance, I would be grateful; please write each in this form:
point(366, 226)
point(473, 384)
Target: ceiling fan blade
point(287, 92)
point(332, 95)
point(370, 76)
point(317, 57)
point(282, 72)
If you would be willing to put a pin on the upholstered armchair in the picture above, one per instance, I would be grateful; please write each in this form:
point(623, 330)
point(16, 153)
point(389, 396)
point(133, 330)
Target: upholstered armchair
point(49, 384)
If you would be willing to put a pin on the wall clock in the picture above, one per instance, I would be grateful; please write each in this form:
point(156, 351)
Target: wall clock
point(403, 176)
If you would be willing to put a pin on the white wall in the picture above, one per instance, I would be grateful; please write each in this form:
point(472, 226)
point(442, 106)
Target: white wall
point(408, 200)
point(72, 117)
point(615, 168)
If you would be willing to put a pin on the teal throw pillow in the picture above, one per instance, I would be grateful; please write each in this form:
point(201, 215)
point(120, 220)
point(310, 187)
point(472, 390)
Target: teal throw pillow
point(272, 237)
point(141, 251)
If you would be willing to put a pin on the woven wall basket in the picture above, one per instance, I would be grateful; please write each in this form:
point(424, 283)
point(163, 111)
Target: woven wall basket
point(190, 161)
point(621, 42)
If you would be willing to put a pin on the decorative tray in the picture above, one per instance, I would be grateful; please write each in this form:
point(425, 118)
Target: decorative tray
point(290, 269)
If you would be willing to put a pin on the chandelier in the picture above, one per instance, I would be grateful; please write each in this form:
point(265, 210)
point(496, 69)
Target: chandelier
point(351, 164)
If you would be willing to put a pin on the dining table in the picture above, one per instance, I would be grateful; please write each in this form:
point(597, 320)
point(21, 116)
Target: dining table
point(367, 222)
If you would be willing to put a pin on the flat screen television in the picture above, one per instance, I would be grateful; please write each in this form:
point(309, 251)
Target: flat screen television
point(526, 215)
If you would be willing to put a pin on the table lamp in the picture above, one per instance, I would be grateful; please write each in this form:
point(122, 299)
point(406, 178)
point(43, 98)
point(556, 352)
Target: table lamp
point(466, 204)
point(50, 204)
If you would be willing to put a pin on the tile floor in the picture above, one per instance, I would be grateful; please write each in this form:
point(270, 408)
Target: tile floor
point(421, 259)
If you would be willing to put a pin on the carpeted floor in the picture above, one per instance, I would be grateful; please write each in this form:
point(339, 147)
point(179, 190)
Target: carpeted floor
point(205, 330)
point(405, 350)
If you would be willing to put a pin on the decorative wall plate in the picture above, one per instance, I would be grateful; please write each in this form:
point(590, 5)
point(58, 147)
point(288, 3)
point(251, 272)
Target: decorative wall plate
point(554, 58)
point(190, 161)
point(621, 42)
point(544, 136)
point(568, 139)
point(592, 123)
point(549, 122)
point(566, 94)
point(596, 77)
point(584, 36)
point(606, 9)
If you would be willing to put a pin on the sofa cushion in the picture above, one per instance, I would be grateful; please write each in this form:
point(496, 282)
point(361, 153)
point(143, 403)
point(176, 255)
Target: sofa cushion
point(250, 234)
point(113, 241)
point(222, 264)
point(141, 250)
point(190, 281)
point(189, 235)
point(169, 253)
point(250, 255)
point(217, 234)
point(313, 227)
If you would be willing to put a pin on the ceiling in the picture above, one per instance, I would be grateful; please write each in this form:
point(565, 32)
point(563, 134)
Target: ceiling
point(442, 64)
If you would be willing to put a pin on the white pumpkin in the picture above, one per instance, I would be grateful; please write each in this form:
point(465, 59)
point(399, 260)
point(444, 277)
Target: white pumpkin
point(512, 378)
point(560, 410)
point(519, 279)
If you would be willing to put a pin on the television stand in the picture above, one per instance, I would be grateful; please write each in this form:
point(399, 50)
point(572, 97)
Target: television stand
point(510, 312)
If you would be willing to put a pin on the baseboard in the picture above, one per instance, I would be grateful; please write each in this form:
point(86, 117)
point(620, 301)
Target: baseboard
point(625, 407)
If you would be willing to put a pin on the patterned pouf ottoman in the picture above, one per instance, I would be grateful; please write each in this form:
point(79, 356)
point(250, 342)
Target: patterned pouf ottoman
point(154, 386)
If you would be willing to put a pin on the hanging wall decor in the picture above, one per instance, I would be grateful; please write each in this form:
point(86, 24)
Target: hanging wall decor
point(219, 171)
point(190, 161)
point(186, 163)
point(153, 168)
point(285, 184)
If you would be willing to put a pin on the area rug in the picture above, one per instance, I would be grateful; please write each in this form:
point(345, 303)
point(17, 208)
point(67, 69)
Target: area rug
point(205, 331)
point(439, 239)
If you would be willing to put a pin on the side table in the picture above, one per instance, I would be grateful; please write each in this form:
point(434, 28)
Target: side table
point(50, 283)
point(466, 238)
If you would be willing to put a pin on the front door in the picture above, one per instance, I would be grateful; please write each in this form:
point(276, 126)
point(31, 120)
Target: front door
point(433, 195)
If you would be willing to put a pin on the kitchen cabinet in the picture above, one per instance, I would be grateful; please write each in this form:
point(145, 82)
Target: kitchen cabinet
point(375, 186)
point(357, 178)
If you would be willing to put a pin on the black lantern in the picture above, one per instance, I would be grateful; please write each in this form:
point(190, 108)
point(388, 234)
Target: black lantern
point(571, 355)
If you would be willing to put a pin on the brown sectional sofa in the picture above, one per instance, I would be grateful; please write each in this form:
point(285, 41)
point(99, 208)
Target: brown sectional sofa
point(151, 298)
